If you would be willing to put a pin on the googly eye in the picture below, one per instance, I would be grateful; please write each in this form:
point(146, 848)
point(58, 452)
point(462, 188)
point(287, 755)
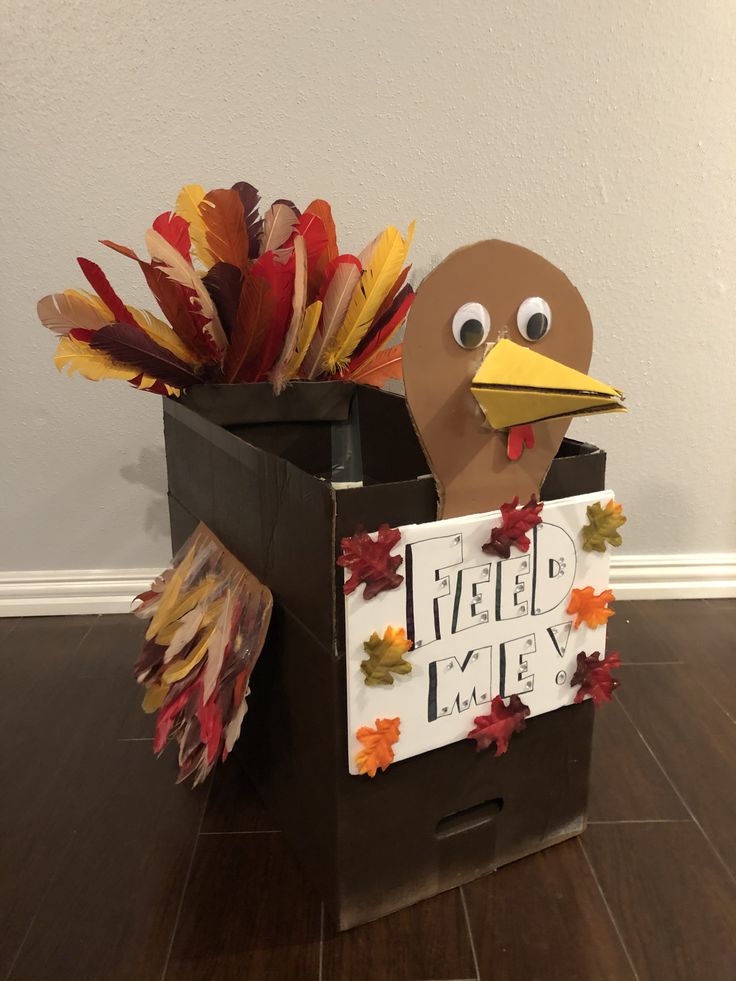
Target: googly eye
point(534, 318)
point(471, 325)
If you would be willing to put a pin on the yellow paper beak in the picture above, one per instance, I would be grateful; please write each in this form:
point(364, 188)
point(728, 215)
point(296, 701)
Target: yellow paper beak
point(515, 385)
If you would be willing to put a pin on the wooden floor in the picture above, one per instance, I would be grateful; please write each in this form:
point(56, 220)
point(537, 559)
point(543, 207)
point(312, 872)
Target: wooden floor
point(109, 871)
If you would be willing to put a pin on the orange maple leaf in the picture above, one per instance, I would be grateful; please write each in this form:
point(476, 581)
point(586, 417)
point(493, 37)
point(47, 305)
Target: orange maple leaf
point(589, 607)
point(378, 742)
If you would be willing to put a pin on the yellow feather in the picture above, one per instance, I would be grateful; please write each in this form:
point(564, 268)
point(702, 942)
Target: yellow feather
point(180, 669)
point(187, 207)
point(74, 355)
point(387, 260)
point(159, 331)
point(304, 338)
point(92, 300)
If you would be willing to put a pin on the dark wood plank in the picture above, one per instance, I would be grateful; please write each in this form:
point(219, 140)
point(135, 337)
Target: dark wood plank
point(234, 805)
point(544, 918)
point(429, 940)
point(694, 741)
point(673, 903)
point(646, 631)
point(7, 624)
point(626, 783)
point(247, 913)
point(714, 653)
point(110, 911)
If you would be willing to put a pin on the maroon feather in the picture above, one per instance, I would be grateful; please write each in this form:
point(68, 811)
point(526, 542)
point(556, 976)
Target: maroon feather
point(175, 230)
point(175, 304)
point(133, 347)
point(223, 282)
point(383, 329)
point(99, 283)
point(250, 199)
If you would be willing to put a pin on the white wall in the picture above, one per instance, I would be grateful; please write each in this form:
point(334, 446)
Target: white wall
point(603, 136)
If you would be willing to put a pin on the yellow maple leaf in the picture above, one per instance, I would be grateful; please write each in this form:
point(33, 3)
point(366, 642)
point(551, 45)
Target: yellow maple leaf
point(377, 753)
point(385, 656)
point(602, 530)
point(589, 607)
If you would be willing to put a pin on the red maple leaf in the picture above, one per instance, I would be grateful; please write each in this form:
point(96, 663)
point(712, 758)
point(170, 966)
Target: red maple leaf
point(516, 522)
point(499, 726)
point(593, 674)
point(370, 561)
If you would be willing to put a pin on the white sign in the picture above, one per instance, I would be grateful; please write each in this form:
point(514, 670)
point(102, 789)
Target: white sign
point(480, 625)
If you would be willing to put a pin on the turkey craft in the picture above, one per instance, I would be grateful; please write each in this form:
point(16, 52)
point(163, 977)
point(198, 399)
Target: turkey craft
point(454, 629)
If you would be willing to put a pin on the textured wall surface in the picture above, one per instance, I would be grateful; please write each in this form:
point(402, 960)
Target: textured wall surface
point(603, 137)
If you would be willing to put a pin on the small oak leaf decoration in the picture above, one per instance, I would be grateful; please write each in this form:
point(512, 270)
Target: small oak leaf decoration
point(602, 530)
point(515, 523)
point(589, 607)
point(369, 561)
point(377, 752)
point(385, 656)
point(500, 724)
point(593, 675)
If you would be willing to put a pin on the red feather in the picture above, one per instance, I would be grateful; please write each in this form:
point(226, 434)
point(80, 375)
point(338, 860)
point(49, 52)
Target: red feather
point(175, 230)
point(312, 230)
point(388, 302)
point(279, 277)
point(98, 281)
point(175, 304)
point(381, 332)
point(322, 210)
point(133, 347)
point(249, 334)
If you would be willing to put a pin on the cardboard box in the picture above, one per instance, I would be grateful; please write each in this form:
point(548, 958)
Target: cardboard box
point(260, 472)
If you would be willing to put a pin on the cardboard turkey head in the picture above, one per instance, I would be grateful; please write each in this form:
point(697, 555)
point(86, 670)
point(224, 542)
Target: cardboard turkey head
point(496, 350)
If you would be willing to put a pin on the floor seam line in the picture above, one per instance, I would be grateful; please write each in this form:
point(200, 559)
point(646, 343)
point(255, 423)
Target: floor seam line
point(185, 884)
point(321, 940)
point(604, 898)
point(470, 933)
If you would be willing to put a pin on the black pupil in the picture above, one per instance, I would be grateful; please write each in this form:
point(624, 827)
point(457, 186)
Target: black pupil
point(536, 326)
point(471, 333)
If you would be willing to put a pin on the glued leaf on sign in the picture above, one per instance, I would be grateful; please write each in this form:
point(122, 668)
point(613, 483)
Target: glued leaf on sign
point(593, 677)
point(603, 526)
point(515, 523)
point(500, 724)
point(386, 657)
point(370, 561)
point(590, 607)
point(377, 753)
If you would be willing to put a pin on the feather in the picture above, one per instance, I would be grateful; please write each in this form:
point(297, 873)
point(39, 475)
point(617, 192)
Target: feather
point(280, 278)
point(391, 295)
point(250, 199)
point(218, 646)
point(62, 312)
point(174, 302)
point(278, 225)
point(367, 254)
point(75, 356)
point(342, 284)
point(175, 230)
point(187, 207)
point(177, 269)
point(305, 337)
point(162, 334)
point(322, 210)
point(280, 373)
point(383, 367)
point(312, 230)
point(133, 348)
point(382, 330)
point(224, 222)
point(386, 263)
point(246, 341)
point(224, 283)
point(98, 281)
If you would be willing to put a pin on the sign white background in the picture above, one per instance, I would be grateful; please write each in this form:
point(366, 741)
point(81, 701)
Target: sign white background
point(481, 625)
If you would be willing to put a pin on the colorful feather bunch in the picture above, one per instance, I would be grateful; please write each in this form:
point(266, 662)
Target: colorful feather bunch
point(209, 617)
point(246, 297)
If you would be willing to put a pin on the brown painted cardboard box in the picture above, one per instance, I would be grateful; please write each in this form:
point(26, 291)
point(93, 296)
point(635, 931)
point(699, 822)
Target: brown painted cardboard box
point(265, 475)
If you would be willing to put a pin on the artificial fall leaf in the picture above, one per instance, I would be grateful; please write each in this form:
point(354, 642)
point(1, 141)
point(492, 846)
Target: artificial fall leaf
point(500, 724)
point(515, 523)
point(385, 656)
point(593, 675)
point(377, 753)
point(602, 530)
point(590, 607)
point(370, 561)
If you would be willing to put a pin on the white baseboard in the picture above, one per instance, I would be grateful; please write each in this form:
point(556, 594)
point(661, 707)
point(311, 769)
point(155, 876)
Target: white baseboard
point(61, 592)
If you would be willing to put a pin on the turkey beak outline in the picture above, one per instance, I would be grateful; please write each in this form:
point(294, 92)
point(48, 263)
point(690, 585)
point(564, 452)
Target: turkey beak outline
point(515, 386)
